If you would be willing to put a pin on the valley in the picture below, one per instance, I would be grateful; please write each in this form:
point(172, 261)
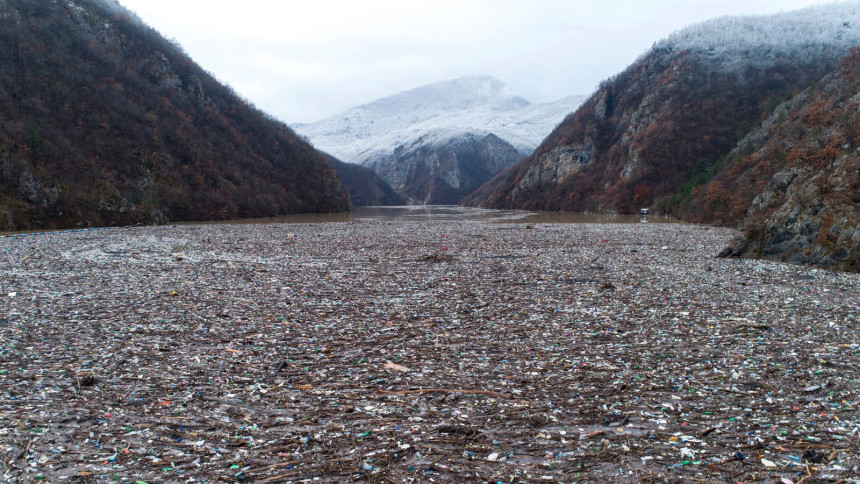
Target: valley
point(655, 282)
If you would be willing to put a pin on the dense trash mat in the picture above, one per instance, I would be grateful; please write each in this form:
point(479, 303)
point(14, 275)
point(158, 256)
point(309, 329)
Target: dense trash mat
point(439, 351)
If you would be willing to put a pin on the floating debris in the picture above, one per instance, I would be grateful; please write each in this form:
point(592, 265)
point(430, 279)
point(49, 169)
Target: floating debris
point(345, 353)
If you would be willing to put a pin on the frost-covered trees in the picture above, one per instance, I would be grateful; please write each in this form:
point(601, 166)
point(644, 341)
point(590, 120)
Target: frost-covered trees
point(760, 41)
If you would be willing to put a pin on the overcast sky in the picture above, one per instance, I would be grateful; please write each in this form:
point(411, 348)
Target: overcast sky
point(302, 61)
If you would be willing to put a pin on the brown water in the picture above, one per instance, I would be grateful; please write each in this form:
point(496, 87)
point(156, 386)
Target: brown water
point(454, 212)
point(430, 212)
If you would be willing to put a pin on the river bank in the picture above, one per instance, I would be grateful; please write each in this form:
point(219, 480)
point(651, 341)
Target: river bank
point(422, 351)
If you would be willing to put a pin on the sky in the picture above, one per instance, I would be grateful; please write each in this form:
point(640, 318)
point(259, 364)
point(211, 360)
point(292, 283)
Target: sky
point(302, 61)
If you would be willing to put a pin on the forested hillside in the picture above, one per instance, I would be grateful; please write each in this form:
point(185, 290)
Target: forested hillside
point(664, 125)
point(365, 187)
point(103, 121)
point(794, 182)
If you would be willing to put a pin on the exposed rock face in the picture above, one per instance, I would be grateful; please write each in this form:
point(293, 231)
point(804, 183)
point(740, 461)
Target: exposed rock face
point(653, 130)
point(365, 187)
point(403, 136)
point(440, 170)
point(105, 122)
point(35, 193)
point(554, 166)
point(805, 160)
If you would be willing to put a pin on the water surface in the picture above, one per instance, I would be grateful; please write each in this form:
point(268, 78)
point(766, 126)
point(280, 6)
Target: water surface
point(423, 212)
point(455, 212)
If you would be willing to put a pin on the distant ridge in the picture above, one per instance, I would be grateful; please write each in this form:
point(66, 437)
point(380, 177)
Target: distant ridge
point(478, 104)
point(437, 143)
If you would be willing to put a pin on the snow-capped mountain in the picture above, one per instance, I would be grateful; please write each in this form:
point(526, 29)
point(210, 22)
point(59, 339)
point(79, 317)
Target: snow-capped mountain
point(758, 41)
point(478, 105)
point(437, 143)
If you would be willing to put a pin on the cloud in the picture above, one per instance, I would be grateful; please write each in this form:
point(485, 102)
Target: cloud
point(302, 61)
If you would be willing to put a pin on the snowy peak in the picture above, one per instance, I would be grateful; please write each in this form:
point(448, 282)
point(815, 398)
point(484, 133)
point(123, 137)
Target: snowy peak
point(480, 104)
point(479, 92)
point(437, 143)
point(801, 33)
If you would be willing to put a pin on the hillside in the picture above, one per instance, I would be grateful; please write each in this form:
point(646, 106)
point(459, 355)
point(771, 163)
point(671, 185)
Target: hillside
point(365, 187)
point(439, 142)
point(103, 122)
point(665, 124)
point(795, 180)
point(441, 167)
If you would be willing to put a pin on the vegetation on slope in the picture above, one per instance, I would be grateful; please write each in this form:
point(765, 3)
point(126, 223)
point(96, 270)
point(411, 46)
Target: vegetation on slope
point(679, 131)
point(661, 124)
point(103, 122)
point(365, 187)
point(651, 134)
point(795, 180)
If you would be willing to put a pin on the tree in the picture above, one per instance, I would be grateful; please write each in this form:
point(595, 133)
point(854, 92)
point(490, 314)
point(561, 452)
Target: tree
point(35, 144)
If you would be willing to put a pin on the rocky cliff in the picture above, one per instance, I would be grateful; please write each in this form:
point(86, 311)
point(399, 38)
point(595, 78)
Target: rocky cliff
point(441, 168)
point(103, 121)
point(661, 127)
point(795, 180)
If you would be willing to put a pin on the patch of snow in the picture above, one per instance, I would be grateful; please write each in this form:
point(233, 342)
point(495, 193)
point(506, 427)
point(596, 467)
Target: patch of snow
point(749, 41)
point(438, 112)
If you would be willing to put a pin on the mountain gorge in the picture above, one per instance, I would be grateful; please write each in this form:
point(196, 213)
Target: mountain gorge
point(656, 134)
point(749, 122)
point(365, 187)
point(675, 112)
point(437, 143)
point(795, 180)
point(104, 122)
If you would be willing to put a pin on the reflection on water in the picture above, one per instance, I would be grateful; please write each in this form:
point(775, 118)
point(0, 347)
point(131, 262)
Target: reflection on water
point(454, 212)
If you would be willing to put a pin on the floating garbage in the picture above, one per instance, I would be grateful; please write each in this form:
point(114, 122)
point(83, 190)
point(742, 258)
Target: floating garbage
point(370, 352)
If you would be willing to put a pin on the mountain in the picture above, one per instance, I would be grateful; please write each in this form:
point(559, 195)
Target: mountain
point(103, 122)
point(441, 167)
point(481, 104)
point(426, 142)
point(665, 125)
point(366, 188)
point(795, 180)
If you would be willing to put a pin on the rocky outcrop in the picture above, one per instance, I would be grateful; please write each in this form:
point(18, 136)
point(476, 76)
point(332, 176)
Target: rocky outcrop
point(651, 134)
point(554, 166)
point(807, 226)
point(35, 193)
point(805, 159)
point(437, 169)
